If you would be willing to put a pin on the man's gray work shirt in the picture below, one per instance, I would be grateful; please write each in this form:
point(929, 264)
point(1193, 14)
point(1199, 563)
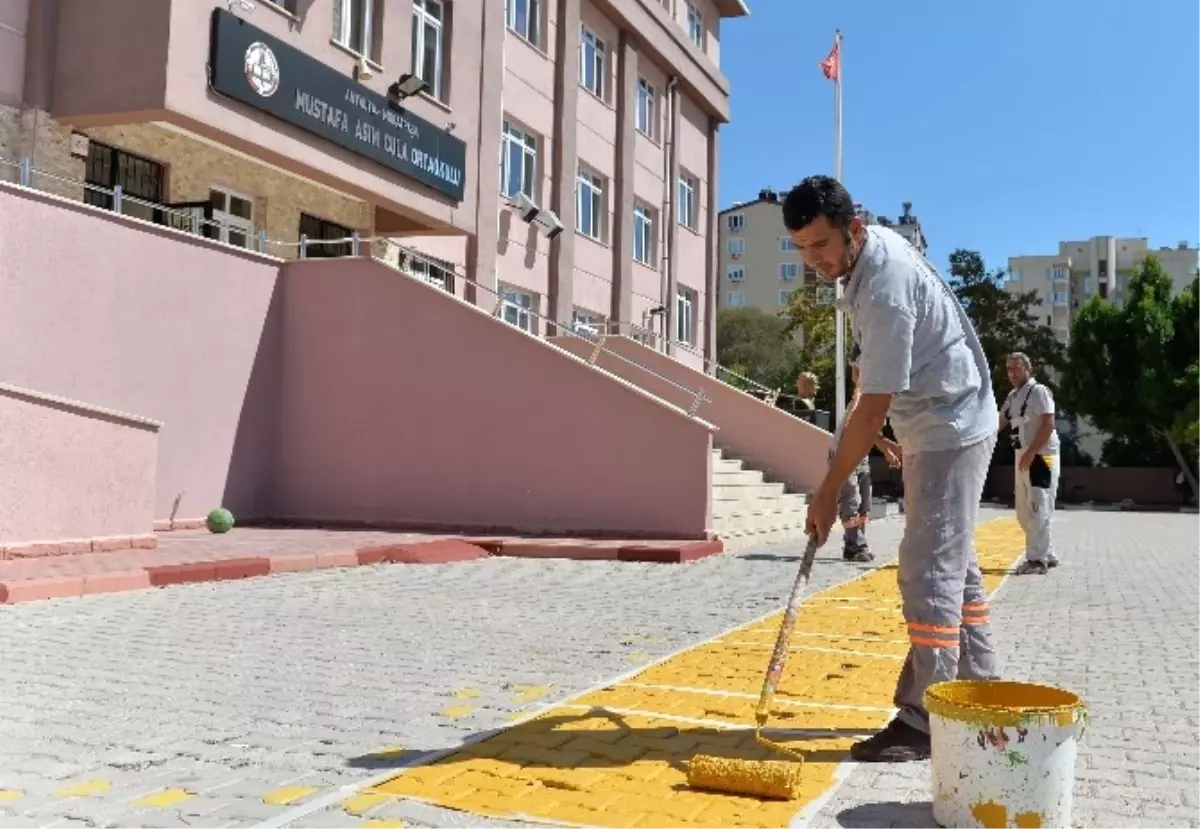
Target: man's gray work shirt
point(918, 346)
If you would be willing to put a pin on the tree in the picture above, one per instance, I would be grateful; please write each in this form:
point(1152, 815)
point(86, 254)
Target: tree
point(1006, 321)
point(813, 322)
point(756, 344)
point(1133, 368)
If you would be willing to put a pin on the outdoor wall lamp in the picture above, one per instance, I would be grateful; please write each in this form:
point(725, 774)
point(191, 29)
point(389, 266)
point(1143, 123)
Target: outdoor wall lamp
point(406, 86)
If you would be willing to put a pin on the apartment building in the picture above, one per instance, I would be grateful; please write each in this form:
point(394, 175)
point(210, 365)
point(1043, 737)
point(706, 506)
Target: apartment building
point(561, 154)
point(759, 265)
point(1099, 266)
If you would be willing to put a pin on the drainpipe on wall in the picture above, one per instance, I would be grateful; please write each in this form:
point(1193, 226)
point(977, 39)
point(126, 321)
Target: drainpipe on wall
point(503, 79)
point(667, 216)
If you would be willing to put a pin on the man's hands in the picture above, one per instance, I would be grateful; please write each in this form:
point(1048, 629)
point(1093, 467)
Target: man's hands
point(893, 452)
point(1025, 462)
point(822, 512)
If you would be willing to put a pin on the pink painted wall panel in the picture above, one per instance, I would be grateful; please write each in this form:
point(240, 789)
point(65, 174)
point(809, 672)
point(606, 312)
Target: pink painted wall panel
point(136, 318)
point(72, 472)
point(449, 418)
point(769, 438)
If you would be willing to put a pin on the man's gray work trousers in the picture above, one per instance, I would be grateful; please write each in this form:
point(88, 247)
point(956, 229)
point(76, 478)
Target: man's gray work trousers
point(1035, 510)
point(854, 507)
point(944, 602)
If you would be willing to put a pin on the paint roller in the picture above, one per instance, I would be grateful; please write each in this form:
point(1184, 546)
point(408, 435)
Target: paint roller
point(774, 779)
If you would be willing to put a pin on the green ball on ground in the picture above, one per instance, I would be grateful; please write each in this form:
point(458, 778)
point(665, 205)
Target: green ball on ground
point(219, 520)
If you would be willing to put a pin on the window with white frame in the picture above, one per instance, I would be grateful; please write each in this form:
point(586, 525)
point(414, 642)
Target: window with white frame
point(784, 298)
point(525, 18)
point(352, 22)
point(735, 299)
point(643, 234)
point(735, 274)
point(647, 109)
point(1087, 286)
point(687, 201)
point(1058, 273)
point(518, 161)
point(735, 221)
point(1059, 298)
point(234, 217)
point(695, 24)
point(427, 271)
point(786, 244)
point(788, 270)
point(736, 247)
point(592, 60)
point(427, 33)
point(518, 308)
point(685, 321)
point(586, 323)
point(589, 204)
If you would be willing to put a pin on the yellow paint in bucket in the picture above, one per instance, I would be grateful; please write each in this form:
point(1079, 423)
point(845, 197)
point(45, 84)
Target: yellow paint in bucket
point(1003, 751)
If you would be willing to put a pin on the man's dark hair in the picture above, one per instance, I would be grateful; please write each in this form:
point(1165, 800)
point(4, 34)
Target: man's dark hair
point(817, 196)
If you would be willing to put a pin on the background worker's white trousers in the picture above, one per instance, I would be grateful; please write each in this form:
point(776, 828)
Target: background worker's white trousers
point(1035, 509)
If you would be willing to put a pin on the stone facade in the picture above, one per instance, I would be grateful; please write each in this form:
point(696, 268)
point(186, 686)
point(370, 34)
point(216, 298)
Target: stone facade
point(33, 134)
point(193, 166)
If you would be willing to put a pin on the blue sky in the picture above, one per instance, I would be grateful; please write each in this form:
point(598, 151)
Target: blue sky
point(1010, 126)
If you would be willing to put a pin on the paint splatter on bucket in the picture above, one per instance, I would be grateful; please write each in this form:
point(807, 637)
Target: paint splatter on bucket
point(1003, 753)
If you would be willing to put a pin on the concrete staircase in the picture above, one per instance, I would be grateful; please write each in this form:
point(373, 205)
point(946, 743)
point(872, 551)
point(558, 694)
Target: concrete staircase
point(749, 512)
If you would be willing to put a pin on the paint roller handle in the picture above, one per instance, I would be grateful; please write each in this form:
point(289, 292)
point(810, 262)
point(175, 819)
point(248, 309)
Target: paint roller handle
point(783, 640)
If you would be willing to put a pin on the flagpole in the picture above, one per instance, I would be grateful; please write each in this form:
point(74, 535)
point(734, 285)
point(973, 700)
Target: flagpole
point(839, 317)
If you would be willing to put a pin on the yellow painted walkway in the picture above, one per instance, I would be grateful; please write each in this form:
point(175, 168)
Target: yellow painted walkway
point(615, 757)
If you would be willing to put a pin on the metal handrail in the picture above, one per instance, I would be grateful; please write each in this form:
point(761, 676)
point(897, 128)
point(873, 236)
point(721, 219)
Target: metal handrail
point(27, 174)
point(770, 395)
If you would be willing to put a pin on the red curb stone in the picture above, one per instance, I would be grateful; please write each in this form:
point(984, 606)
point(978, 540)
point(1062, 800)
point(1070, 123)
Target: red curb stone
point(443, 551)
point(493, 544)
point(109, 545)
point(241, 568)
point(39, 550)
point(670, 554)
point(571, 549)
point(164, 574)
point(375, 555)
point(3, 594)
point(47, 587)
point(116, 582)
point(343, 558)
point(144, 542)
point(74, 548)
point(293, 562)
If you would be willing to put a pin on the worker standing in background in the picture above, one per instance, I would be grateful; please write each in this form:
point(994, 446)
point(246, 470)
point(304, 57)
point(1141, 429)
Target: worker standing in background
point(1029, 412)
point(921, 361)
point(854, 497)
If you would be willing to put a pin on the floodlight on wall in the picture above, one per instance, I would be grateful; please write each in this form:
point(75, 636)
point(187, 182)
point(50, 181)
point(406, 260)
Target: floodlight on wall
point(406, 86)
point(549, 223)
point(526, 209)
point(244, 5)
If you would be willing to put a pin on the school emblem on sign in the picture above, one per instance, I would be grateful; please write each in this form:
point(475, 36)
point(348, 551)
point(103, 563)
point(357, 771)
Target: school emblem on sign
point(262, 69)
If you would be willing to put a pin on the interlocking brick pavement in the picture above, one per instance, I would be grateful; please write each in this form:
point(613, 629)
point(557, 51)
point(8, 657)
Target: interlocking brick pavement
point(1117, 623)
point(314, 683)
point(322, 680)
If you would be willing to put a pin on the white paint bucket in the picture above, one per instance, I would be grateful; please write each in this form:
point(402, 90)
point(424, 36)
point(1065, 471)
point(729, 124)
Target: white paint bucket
point(1003, 753)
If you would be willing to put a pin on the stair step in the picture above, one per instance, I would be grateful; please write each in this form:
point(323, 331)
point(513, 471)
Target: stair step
point(736, 477)
point(726, 465)
point(762, 518)
point(734, 492)
point(759, 506)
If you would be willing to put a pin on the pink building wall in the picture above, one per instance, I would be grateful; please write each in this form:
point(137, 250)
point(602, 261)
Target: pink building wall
point(449, 417)
point(137, 318)
point(339, 390)
point(72, 471)
point(14, 18)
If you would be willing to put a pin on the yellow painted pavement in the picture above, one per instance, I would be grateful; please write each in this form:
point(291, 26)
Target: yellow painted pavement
point(615, 757)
